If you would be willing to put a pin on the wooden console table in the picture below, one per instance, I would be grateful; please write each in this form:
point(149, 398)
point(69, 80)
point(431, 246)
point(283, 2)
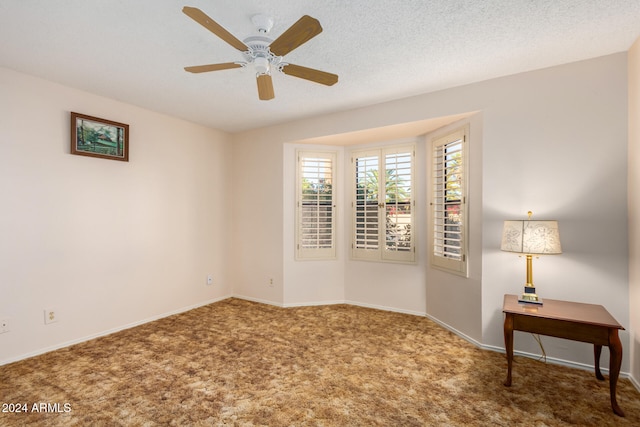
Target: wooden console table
point(574, 321)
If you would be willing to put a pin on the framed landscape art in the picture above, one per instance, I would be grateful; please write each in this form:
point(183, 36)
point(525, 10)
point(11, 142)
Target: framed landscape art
point(95, 137)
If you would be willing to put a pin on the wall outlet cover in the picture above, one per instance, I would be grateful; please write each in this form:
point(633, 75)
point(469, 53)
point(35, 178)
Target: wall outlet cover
point(50, 315)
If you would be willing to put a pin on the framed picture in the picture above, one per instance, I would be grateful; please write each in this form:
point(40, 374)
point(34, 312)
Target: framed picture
point(91, 136)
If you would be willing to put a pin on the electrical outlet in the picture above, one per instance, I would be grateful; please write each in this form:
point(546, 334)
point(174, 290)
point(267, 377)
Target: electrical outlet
point(271, 282)
point(209, 279)
point(4, 326)
point(50, 316)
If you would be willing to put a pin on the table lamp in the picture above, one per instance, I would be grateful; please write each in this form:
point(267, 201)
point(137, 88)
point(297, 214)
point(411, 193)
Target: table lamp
point(529, 238)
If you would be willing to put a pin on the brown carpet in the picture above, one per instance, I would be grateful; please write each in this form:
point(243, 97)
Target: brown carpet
point(239, 363)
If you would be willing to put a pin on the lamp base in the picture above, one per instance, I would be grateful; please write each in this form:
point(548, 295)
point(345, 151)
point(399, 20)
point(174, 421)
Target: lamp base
point(528, 301)
point(529, 295)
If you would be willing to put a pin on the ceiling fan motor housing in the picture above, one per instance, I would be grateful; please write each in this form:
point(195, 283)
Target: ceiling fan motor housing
point(259, 54)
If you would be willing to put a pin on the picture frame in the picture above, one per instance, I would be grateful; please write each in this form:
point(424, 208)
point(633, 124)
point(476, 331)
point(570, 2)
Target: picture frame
point(96, 137)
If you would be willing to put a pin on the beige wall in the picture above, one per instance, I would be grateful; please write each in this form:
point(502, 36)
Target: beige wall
point(107, 244)
point(634, 210)
point(257, 218)
point(551, 141)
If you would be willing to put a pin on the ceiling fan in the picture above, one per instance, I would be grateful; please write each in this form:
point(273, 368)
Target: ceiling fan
point(263, 52)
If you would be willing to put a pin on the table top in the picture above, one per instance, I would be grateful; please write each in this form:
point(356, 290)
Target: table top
point(591, 314)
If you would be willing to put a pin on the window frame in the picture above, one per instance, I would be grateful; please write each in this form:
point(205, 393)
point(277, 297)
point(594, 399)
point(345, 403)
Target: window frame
point(455, 263)
point(382, 253)
point(303, 253)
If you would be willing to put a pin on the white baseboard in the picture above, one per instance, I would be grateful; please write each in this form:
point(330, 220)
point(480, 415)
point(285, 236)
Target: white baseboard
point(258, 300)
point(334, 302)
point(313, 303)
point(634, 382)
point(108, 332)
point(552, 360)
point(385, 308)
point(455, 331)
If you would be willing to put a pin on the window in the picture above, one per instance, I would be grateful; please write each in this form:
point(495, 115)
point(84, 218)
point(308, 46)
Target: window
point(448, 202)
point(383, 205)
point(315, 206)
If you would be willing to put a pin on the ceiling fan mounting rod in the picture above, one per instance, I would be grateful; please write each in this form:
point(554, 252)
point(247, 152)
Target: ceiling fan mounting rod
point(262, 22)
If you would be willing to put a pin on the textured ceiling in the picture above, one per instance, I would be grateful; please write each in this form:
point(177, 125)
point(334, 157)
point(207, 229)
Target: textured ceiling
point(135, 50)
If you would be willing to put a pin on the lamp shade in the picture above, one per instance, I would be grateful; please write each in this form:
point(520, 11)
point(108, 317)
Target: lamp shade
point(531, 237)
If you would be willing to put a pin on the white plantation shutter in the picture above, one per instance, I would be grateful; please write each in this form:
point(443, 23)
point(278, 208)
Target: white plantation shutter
point(315, 218)
point(367, 202)
point(448, 203)
point(398, 200)
point(383, 204)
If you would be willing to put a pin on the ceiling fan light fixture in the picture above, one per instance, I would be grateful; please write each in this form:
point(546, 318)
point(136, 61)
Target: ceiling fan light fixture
point(262, 65)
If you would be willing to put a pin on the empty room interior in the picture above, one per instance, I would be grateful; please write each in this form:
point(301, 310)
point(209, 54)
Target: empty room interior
point(247, 212)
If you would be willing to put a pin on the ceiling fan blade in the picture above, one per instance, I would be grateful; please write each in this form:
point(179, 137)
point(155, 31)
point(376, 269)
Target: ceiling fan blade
point(201, 18)
point(265, 87)
point(311, 74)
point(299, 33)
point(212, 67)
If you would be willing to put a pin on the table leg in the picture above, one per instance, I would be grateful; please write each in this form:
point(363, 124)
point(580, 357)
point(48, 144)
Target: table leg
point(597, 350)
point(615, 361)
point(508, 344)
